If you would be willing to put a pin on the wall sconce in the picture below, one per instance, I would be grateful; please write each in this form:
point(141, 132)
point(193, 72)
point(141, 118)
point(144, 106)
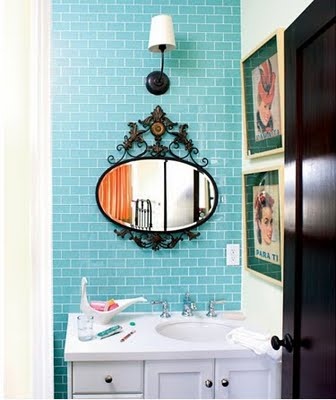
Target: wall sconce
point(161, 39)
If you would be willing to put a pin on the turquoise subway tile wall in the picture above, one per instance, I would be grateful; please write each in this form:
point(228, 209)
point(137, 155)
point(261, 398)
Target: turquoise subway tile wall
point(99, 63)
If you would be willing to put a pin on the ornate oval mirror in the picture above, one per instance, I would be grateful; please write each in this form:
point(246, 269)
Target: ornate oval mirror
point(152, 191)
point(164, 195)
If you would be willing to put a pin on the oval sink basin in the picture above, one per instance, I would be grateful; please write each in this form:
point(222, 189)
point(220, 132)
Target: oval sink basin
point(194, 331)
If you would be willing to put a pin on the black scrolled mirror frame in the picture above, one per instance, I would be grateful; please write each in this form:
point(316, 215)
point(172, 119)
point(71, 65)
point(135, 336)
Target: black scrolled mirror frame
point(181, 148)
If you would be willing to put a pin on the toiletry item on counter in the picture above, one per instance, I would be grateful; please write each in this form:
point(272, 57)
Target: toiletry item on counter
point(127, 336)
point(110, 305)
point(98, 305)
point(115, 329)
point(104, 305)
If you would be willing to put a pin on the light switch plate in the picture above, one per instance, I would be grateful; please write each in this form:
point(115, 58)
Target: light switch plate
point(232, 254)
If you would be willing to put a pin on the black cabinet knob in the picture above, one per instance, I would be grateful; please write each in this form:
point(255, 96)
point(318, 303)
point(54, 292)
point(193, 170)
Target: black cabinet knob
point(208, 383)
point(286, 342)
point(225, 382)
point(108, 379)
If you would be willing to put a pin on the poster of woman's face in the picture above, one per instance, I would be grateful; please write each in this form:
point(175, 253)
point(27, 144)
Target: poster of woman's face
point(266, 223)
point(266, 99)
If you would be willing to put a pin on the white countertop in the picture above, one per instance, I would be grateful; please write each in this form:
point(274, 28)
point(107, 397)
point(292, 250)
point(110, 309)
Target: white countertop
point(147, 344)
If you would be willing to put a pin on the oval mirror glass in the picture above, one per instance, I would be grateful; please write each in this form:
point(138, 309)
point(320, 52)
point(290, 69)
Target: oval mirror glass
point(158, 195)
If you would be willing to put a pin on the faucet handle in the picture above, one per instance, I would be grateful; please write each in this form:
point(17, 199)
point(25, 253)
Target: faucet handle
point(165, 308)
point(186, 297)
point(212, 312)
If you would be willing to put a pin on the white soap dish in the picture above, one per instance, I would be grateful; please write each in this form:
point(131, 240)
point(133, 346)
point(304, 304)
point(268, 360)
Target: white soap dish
point(105, 317)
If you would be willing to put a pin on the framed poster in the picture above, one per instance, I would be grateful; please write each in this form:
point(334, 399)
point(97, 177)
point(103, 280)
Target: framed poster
point(263, 226)
point(263, 97)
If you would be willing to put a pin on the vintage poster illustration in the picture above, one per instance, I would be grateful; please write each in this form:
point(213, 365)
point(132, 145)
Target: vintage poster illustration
point(266, 223)
point(266, 99)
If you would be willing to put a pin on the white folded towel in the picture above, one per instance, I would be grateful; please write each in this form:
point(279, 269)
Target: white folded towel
point(260, 344)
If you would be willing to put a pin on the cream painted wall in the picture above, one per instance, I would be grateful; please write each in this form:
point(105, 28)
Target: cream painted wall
point(262, 301)
point(16, 195)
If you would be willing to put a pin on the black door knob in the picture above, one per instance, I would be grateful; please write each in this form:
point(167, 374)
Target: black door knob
point(286, 342)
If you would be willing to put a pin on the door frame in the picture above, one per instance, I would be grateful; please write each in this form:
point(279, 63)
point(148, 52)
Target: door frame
point(2, 229)
point(41, 201)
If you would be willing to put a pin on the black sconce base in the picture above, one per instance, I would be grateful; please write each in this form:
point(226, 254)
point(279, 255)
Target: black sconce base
point(157, 85)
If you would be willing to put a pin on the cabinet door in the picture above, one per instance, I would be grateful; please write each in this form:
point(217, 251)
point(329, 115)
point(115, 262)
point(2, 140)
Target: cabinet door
point(247, 378)
point(179, 379)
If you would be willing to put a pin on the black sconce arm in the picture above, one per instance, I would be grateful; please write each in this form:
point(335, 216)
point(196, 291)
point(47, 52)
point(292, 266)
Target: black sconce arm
point(162, 48)
point(158, 82)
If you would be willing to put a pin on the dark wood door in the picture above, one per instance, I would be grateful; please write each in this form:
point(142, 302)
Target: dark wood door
point(310, 204)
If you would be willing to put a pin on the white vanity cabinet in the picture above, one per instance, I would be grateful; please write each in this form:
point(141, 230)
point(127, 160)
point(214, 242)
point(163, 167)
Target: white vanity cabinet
point(236, 378)
point(149, 365)
point(105, 380)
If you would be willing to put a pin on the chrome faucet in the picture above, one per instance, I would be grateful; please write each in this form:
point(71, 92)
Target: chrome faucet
point(188, 306)
point(212, 313)
point(165, 308)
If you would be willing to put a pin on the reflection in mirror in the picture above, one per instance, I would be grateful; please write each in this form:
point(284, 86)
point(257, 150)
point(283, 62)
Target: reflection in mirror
point(161, 195)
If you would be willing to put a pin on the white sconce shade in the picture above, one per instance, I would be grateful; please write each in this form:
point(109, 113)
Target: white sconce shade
point(161, 33)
